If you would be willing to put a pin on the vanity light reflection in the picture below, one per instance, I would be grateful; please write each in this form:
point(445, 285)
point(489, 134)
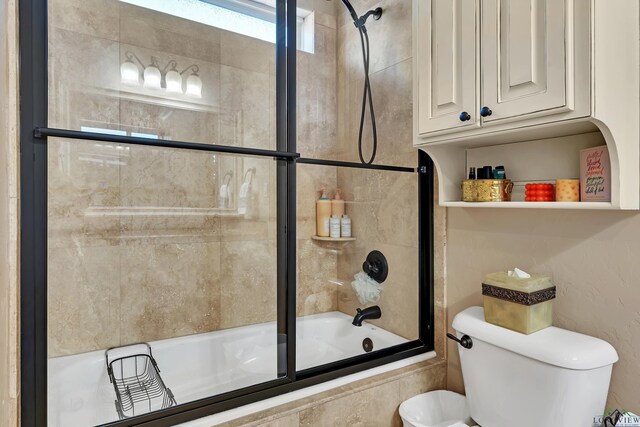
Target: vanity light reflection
point(155, 78)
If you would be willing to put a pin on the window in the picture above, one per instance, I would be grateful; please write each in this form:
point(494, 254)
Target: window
point(253, 18)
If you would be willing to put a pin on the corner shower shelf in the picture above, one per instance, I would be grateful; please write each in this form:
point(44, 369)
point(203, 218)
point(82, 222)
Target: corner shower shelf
point(333, 239)
point(137, 383)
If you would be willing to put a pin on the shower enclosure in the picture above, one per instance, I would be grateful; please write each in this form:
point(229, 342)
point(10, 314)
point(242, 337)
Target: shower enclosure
point(172, 156)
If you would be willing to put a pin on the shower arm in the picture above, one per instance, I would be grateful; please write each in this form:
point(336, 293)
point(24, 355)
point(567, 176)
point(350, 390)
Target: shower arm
point(376, 13)
point(360, 22)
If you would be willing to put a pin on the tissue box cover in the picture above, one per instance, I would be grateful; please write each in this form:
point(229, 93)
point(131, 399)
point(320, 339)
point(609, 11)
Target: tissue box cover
point(522, 305)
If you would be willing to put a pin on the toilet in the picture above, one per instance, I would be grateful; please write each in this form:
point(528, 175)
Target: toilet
point(552, 377)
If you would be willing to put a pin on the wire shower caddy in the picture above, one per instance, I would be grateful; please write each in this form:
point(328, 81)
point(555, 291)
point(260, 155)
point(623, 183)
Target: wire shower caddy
point(137, 383)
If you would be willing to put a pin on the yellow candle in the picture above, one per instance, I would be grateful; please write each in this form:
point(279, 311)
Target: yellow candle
point(567, 190)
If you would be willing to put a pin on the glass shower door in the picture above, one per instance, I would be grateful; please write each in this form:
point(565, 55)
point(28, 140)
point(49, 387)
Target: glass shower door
point(162, 284)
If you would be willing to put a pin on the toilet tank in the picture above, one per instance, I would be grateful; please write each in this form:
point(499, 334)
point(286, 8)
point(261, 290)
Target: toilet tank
point(552, 377)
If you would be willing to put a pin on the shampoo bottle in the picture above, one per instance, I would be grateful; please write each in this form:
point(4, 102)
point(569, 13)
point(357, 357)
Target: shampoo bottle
point(337, 204)
point(323, 215)
point(334, 227)
point(346, 226)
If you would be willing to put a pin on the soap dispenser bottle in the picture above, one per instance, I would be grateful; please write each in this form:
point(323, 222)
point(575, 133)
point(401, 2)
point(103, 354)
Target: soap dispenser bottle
point(323, 215)
point(337, 204)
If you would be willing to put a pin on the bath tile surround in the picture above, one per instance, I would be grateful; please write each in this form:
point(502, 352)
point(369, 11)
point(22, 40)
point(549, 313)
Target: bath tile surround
point(131, 256)
point(141, 258)
point(128, 262)
point(106, 249)
point(370, 401)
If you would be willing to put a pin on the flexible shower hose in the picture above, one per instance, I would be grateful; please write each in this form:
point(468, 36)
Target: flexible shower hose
point(366, 94)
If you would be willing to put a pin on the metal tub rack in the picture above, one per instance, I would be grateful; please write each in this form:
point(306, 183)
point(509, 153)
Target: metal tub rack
point(137, 382)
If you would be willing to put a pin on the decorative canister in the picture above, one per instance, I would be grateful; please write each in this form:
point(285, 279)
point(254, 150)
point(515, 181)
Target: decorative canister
point(486, 190)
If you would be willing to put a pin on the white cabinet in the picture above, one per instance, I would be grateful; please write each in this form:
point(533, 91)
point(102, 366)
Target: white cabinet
point(547, 70)
point(487, 63)
point(523, 54)
point(448, 83)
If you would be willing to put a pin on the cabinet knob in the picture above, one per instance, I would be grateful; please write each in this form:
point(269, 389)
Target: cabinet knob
point(464, 116)
point(485, 111)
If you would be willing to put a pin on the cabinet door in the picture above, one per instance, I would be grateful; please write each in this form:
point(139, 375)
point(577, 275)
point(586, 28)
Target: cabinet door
point(447, 64)
point(523, 57)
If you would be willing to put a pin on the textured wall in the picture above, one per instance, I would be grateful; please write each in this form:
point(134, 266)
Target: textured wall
point(592, 257)
point(9, 336)
point(137, 249)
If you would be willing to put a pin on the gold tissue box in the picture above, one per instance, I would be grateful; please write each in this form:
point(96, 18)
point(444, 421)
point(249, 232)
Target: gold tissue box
point(522, 305)
point(486, 190)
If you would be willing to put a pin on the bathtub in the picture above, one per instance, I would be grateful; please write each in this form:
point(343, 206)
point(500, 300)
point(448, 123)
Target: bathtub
point(204, 365)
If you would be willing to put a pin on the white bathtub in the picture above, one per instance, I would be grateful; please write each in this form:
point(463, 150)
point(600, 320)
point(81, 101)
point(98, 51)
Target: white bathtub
point(204, 365)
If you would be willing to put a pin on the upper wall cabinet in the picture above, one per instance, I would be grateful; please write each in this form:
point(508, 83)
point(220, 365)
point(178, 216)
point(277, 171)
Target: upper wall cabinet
point(448, 83)
point(491, 62)
point(523, 54)
point(492, 72)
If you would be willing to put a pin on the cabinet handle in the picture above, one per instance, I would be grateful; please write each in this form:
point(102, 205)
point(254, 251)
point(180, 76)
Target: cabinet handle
point(485, 111)
point(464, 116)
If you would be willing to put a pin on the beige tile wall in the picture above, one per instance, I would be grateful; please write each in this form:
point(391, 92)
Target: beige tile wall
point(317, 126)
point(383, 205)
point(369, 402)
point(9, 301)
point(96, 255)
point(125, 266)
point(129, 272)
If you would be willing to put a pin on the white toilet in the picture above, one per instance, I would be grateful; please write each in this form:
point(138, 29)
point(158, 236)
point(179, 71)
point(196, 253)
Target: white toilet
point(552, 377)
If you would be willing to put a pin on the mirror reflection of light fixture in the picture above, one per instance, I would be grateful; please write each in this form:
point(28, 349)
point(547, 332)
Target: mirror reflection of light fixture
point(129, 73)
point(173, 80)
point(168, 78)
point(194, 84)
point(152, 76)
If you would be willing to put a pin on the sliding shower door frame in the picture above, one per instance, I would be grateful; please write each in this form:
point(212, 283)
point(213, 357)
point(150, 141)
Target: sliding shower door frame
point(33, 33)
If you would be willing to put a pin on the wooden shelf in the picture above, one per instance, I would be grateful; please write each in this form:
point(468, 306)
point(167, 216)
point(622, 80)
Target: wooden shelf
point(542, 160)
point(333, 239)
point(532, 205)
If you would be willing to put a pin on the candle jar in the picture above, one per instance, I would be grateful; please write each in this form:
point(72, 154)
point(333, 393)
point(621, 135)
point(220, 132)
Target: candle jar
point(567, 190)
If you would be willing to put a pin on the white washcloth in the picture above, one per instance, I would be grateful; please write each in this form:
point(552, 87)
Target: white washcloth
point(367, 289)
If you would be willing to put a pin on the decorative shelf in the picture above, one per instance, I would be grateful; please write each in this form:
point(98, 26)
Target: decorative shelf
point(333, 239)
point(531, 205)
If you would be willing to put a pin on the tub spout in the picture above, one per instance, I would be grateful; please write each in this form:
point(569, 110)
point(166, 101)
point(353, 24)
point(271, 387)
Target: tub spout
point(368, 313)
